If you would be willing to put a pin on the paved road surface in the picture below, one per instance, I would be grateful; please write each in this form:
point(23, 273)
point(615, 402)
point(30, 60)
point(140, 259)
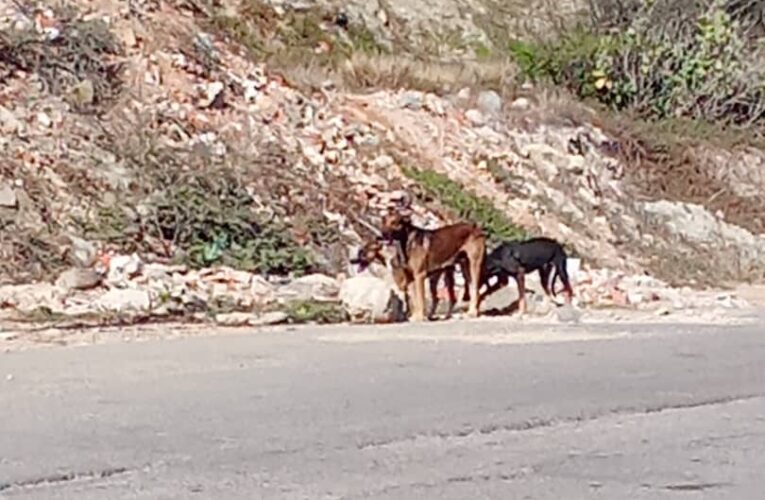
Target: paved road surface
point(459, 410)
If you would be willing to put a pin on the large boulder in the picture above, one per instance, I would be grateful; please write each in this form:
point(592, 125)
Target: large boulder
point(369, 299)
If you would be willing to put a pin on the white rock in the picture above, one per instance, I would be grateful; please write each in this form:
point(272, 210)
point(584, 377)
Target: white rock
point(78, 279)
point(434, 104)
point(9, 124)
point(29, 297)
point(367, 298)
point(211, 91)
point(83, 252)
point(8, 197)
point(520, 104)
point(123, 300)
point(312, 286)
point(475, 117)
point(489, 102)
point(635, 297)
point(269, 318)
point(122, 268)
point(568, 314)
point(234, 318)
point(44, 120)
point(464, 94)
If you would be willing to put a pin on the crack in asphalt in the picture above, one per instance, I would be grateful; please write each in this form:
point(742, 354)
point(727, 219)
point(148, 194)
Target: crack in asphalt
point(63, 477)
point(546, 423)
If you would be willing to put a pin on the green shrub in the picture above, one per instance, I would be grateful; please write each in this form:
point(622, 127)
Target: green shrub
point(465, 204)
point(661, 64)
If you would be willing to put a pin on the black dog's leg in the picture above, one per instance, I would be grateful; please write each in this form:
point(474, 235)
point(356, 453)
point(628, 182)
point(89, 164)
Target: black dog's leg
point(560, 271)
point(502, 280)
point(544, 278)
point(520, 279)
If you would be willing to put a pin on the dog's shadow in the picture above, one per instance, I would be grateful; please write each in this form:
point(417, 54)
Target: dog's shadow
point(494, 311)
point(502, 311)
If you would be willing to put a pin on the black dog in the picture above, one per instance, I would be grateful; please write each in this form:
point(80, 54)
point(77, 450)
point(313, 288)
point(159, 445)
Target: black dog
point(517, 258)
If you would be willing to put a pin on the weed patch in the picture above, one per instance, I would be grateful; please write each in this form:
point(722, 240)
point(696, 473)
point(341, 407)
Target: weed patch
point(466, 205)
point(300, 312)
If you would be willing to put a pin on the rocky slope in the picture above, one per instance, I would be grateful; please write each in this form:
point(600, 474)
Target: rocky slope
point(134, 127)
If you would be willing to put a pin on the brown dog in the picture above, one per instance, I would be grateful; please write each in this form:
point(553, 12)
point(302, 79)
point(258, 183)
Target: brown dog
point(373, 252)
point(426, 251)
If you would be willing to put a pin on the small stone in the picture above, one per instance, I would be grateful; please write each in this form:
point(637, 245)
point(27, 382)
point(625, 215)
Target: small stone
point(312, 286)
point(122, 268)
point(635, 297)
point(8, 121)
point(520, 104)
point(234, 319)
point(475, 117)
point(269, 318)
point(83, 93)
point(411, 100)
point(83, 252)
point(464, 94)
point(9, 377)
point(382, 162)
point(434, 104)
point(44, 120)
point(663, 311)
point(489, 102)
point(126, 35)
point(78, 279)
point(213, 93)
point(8, 197)
point(122, 300)
point(568, 314)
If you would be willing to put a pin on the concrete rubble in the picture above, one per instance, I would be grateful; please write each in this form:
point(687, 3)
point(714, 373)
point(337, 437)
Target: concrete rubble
point(129, 286)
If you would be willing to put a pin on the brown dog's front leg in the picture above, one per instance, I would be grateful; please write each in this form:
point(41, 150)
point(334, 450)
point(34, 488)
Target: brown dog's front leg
point(476, 264)
point(418, 314)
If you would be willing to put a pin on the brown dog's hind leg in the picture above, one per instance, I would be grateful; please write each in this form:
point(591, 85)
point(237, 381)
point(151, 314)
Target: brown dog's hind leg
point(449, 282)
point(433, 283)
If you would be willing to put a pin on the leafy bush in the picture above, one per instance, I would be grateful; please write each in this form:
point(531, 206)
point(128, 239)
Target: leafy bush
point(465, 204)
point(662, 62)
point(77, 62)
point(201, 209)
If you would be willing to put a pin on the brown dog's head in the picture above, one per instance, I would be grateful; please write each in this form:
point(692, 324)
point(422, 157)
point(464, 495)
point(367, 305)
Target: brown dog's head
point(394, 225)
point(367, 254)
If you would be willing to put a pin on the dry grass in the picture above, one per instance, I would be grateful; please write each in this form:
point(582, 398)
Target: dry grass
point(364, 71)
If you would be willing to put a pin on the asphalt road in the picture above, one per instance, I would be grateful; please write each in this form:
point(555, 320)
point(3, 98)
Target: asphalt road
point(459, 410)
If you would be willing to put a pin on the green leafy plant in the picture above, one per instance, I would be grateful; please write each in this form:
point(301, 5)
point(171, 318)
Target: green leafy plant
point(465, 204)
point(662, 63)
